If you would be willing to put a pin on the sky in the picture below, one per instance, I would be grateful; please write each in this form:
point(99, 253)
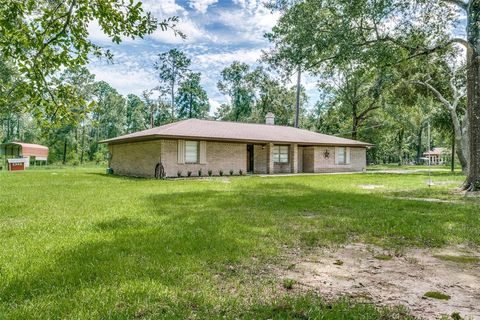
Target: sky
point(218, 33)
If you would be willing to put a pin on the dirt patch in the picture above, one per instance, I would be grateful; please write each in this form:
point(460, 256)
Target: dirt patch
point(370, 186)
point(429, 200)
point(402, 280)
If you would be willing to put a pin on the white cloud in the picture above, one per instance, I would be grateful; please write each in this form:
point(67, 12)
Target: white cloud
point(249, 56)
point(125, 77)
point(248, 4)
point(248, 26)
point(214, 105)
point(164, 8)
point(202, 5)
point(194, 34)
point(96, 34)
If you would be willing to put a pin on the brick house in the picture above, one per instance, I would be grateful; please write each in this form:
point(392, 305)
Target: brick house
point(193, 145)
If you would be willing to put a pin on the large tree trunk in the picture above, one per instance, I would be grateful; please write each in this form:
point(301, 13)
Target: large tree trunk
point(83, 142)
point(354, 122)
point(400, 146)
point(460, 141)
point(65, 151)
point(473, 93)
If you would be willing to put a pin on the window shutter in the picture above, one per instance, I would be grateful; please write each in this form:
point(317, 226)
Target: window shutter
point(203, 152)
point(347, 155)
point(336, 155)
point(181, 152)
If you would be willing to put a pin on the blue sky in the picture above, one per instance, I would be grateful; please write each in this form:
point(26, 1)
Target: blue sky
point(218, 33)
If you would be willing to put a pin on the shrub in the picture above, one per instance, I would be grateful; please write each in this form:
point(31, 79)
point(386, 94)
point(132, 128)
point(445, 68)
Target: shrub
point(240, 172)
point(220, 173)
point(231, 172)
point(200, 172)
point(179, 173)
point(288, 283)
point(189, 173)
point(98, 157)
point(210, 173)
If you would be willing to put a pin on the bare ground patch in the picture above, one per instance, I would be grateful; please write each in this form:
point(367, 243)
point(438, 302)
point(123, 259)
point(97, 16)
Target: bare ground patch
point(385, 278)
point(371, 186)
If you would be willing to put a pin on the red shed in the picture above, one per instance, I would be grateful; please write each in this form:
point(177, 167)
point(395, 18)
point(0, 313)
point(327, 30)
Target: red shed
point(16, 153)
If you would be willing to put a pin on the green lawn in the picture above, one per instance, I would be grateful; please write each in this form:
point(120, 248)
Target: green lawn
point(78, 244)
point(395, 166)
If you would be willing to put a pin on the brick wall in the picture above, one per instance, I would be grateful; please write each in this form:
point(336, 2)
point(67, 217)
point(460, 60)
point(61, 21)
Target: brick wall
point(136, 159)
point(321, 164)
point(282, 168)
point(260, 158)
point(220, 156)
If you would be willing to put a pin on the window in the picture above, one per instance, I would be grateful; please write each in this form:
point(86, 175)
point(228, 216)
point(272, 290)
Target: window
point(280, 154)
point(341, 155)
point(191, 151)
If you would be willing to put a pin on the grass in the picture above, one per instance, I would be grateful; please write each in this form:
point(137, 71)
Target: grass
point(289, 283)
point(437, 295)
point(458, 259)
point(78, 244)
point(395, 166)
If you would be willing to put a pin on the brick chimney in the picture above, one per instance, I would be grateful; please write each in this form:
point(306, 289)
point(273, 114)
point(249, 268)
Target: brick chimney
point(270, 118)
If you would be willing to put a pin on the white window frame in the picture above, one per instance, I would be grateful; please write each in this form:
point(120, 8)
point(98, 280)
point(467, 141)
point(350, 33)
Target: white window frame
point(278, 151)
point(197, 144)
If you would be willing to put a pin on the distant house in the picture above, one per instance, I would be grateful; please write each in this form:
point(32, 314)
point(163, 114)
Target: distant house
point(437, 156)
point(193, 145)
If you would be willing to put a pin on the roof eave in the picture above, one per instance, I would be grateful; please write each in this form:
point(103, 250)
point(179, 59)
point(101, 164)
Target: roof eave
point(158, 136)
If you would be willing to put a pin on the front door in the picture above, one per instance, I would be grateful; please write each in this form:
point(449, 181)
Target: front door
point(250, 158)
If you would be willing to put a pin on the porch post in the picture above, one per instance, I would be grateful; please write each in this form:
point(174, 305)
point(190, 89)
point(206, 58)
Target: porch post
point(270, 168)
point(294, 158)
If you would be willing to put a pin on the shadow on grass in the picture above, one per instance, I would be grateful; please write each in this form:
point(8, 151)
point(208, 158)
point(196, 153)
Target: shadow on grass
point(116, 176)
point(196, 235)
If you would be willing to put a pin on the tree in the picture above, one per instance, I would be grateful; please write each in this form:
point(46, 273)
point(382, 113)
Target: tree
point(382, 33)
point(137, 114)
point(81, 83)
point(192, 99)
point(236, 84)
point(358, 91)
point(172, 67)
point(109, 115)
point(273, 95)
point(44, 37)
point(10, 100)
point(448, 85)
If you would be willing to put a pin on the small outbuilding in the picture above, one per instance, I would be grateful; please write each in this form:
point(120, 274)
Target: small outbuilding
point(19, 155)
point(437, 156)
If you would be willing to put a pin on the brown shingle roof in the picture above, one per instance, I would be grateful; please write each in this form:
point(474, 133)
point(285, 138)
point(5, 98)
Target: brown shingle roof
point(236, 131)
